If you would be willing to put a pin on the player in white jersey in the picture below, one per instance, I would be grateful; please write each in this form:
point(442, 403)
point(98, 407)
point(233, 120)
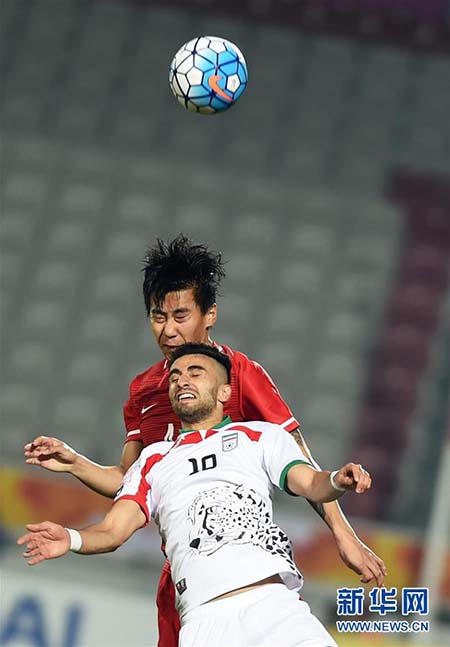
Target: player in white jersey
point(209, 492)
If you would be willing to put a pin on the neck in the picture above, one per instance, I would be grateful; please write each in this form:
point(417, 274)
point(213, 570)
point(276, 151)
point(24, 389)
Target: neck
point(206, 423)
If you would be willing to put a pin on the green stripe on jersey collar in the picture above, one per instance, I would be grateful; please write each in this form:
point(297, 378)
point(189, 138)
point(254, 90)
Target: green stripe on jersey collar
point(225, 421)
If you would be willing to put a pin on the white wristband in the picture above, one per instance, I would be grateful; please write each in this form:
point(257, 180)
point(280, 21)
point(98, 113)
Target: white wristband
point(333, 482)
point(75, 540)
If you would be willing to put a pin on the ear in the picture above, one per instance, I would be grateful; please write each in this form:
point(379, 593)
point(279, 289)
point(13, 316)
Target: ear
point(211, 316)
point(224, 393)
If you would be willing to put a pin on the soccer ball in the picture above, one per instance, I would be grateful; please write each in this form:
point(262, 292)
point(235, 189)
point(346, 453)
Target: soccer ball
point(208, 74)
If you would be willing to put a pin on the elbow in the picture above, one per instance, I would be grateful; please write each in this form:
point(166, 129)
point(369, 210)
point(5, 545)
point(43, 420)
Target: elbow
point(115, 544)
point(333, 496)
point(118, 541)
point(113, 539)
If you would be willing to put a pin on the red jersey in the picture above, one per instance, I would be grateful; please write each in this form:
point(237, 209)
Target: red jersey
point(148, 413)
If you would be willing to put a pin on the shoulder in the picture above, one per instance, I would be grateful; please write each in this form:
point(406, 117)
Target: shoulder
point(155, 450)
point(238, 359)
point(254, 428)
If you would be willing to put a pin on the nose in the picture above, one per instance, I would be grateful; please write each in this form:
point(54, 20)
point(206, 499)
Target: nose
point(169, 328)
point(183, 381)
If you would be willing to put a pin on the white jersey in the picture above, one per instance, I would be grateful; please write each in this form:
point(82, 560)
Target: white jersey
point(210, 494)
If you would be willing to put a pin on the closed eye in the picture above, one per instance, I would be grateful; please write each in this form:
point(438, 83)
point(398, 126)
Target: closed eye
point(158, 316)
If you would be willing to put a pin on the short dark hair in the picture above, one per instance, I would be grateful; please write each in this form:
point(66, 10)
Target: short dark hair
point(202, 349)
point(179, 264)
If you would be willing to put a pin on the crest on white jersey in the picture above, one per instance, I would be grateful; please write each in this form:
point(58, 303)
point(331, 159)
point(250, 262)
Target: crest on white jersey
point(229, 442)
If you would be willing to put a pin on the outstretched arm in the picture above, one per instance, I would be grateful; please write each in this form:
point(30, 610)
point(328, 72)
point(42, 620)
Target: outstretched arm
point(353, 552)
point(49, 540)
point(324, 486)
point(56, 456)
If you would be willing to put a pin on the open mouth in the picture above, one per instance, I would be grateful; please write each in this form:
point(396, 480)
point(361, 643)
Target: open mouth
point(186, 395)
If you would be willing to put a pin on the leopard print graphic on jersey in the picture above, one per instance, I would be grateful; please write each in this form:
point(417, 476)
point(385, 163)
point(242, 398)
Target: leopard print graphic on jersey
point(235, 515)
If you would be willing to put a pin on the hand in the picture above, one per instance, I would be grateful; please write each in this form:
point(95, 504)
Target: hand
point(50, 453)
point(45, 540)
point(353, 477)
point(357, 556)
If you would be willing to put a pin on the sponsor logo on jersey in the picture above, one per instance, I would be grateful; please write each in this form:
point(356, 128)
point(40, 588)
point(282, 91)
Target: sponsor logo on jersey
point(229, 442)
point(150, 406)
point(181, 586)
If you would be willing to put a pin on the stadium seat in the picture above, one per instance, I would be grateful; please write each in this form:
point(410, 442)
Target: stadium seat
point(200, 218)
point(31, 360)
point(140, 210)
point(254, 229)
point(81, 198)
point(240, 311)
point(16, 230)
point(12, 399)
point(122, 246)
point(56, 276)
point(301, 278)
point(345, 327)
point(24, 188)
point(77, 414)
point(326, 410)
point(113, 287)
point(88, 368)
point(286, 317)
point(335, 369)
point(10, 263)
point(279, 358)
point(102, 327)
point(70, 238)
point(245, 269)
point(314, 239)
point(44, 317)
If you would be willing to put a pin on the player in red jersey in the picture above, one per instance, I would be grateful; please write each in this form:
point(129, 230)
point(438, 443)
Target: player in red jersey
point(180, 288)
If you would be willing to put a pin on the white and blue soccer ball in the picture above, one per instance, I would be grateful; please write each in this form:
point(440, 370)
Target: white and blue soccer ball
point(208, 74)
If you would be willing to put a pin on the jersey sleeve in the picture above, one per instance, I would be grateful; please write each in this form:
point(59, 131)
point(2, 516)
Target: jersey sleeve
point(260, 398)
point(135, 484)
point(132, 420)
point(280, 453)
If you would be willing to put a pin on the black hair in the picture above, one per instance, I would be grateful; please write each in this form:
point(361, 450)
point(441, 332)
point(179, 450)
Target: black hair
point(179, 264)
point(202, 349)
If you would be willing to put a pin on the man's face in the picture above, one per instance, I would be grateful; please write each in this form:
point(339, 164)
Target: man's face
point(197, 388)
point(179, 320)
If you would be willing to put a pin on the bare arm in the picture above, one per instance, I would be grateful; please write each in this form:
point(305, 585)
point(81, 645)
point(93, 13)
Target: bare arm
point(49, 540)
point(330, 512)
point(56, 456)
point(316, 486)
point(354, 553)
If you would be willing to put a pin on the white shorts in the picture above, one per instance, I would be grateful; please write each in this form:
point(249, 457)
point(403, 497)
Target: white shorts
point(268, 616)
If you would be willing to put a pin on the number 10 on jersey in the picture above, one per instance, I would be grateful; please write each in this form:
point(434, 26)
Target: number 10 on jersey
point(208, 462)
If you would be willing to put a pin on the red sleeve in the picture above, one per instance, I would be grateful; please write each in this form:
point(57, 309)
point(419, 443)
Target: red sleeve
point(132, 419)
point(260, 398)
